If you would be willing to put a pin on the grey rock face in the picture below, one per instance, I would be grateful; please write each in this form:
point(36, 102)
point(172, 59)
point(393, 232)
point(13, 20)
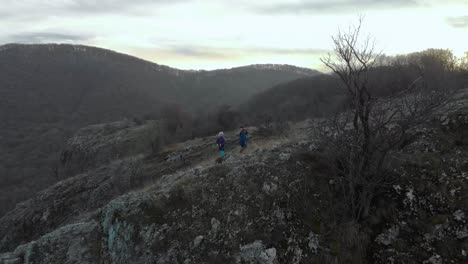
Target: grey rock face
point(76, 243)
point(256, 253)
point(65, 201)
point(389, 236)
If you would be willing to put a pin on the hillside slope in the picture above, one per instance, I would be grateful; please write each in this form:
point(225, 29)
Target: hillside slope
point(298, 99)
point(47, 92)
point(268, 205)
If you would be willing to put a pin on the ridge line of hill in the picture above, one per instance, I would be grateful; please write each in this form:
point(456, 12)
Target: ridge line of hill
point(81, 47)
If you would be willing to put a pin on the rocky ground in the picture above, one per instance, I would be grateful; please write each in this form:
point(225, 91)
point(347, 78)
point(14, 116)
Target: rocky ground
point(270, 204)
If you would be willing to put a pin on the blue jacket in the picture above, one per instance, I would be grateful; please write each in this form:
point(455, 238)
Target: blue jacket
point(243, 137)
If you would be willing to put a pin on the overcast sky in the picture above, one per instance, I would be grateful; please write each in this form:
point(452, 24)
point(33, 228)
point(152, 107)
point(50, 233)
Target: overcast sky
point(208, 34)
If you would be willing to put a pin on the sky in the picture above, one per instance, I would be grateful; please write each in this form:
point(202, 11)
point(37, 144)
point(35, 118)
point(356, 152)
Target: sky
point(211, 34)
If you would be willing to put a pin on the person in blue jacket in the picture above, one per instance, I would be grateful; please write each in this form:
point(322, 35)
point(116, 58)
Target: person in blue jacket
point(243, 138)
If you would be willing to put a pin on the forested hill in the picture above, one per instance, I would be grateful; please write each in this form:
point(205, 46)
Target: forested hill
point(87, 84)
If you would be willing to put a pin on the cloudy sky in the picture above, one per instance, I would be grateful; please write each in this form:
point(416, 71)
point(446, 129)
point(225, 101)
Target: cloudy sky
point(208, 34)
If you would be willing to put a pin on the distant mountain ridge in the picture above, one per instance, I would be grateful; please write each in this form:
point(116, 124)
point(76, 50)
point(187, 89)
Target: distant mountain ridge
point(51, 47)
point(105, 69)
point(275, 67)
point(48, 91)
point(85, 82)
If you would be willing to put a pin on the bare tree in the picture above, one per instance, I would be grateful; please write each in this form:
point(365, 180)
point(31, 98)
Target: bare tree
point(464, 62)
point(361, 139)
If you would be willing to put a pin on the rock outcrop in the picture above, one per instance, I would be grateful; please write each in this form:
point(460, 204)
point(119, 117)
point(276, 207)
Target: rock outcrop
point(206, 214)
point(97, 145)
point(81, 195)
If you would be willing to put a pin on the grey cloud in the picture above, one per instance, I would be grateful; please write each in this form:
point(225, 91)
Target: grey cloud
point(226, 52)
point(290, 51)
point(197, 52)
point(458, 22)
point(320, 6)
point(47, 37)
point(37, 9)
point(109, 6)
